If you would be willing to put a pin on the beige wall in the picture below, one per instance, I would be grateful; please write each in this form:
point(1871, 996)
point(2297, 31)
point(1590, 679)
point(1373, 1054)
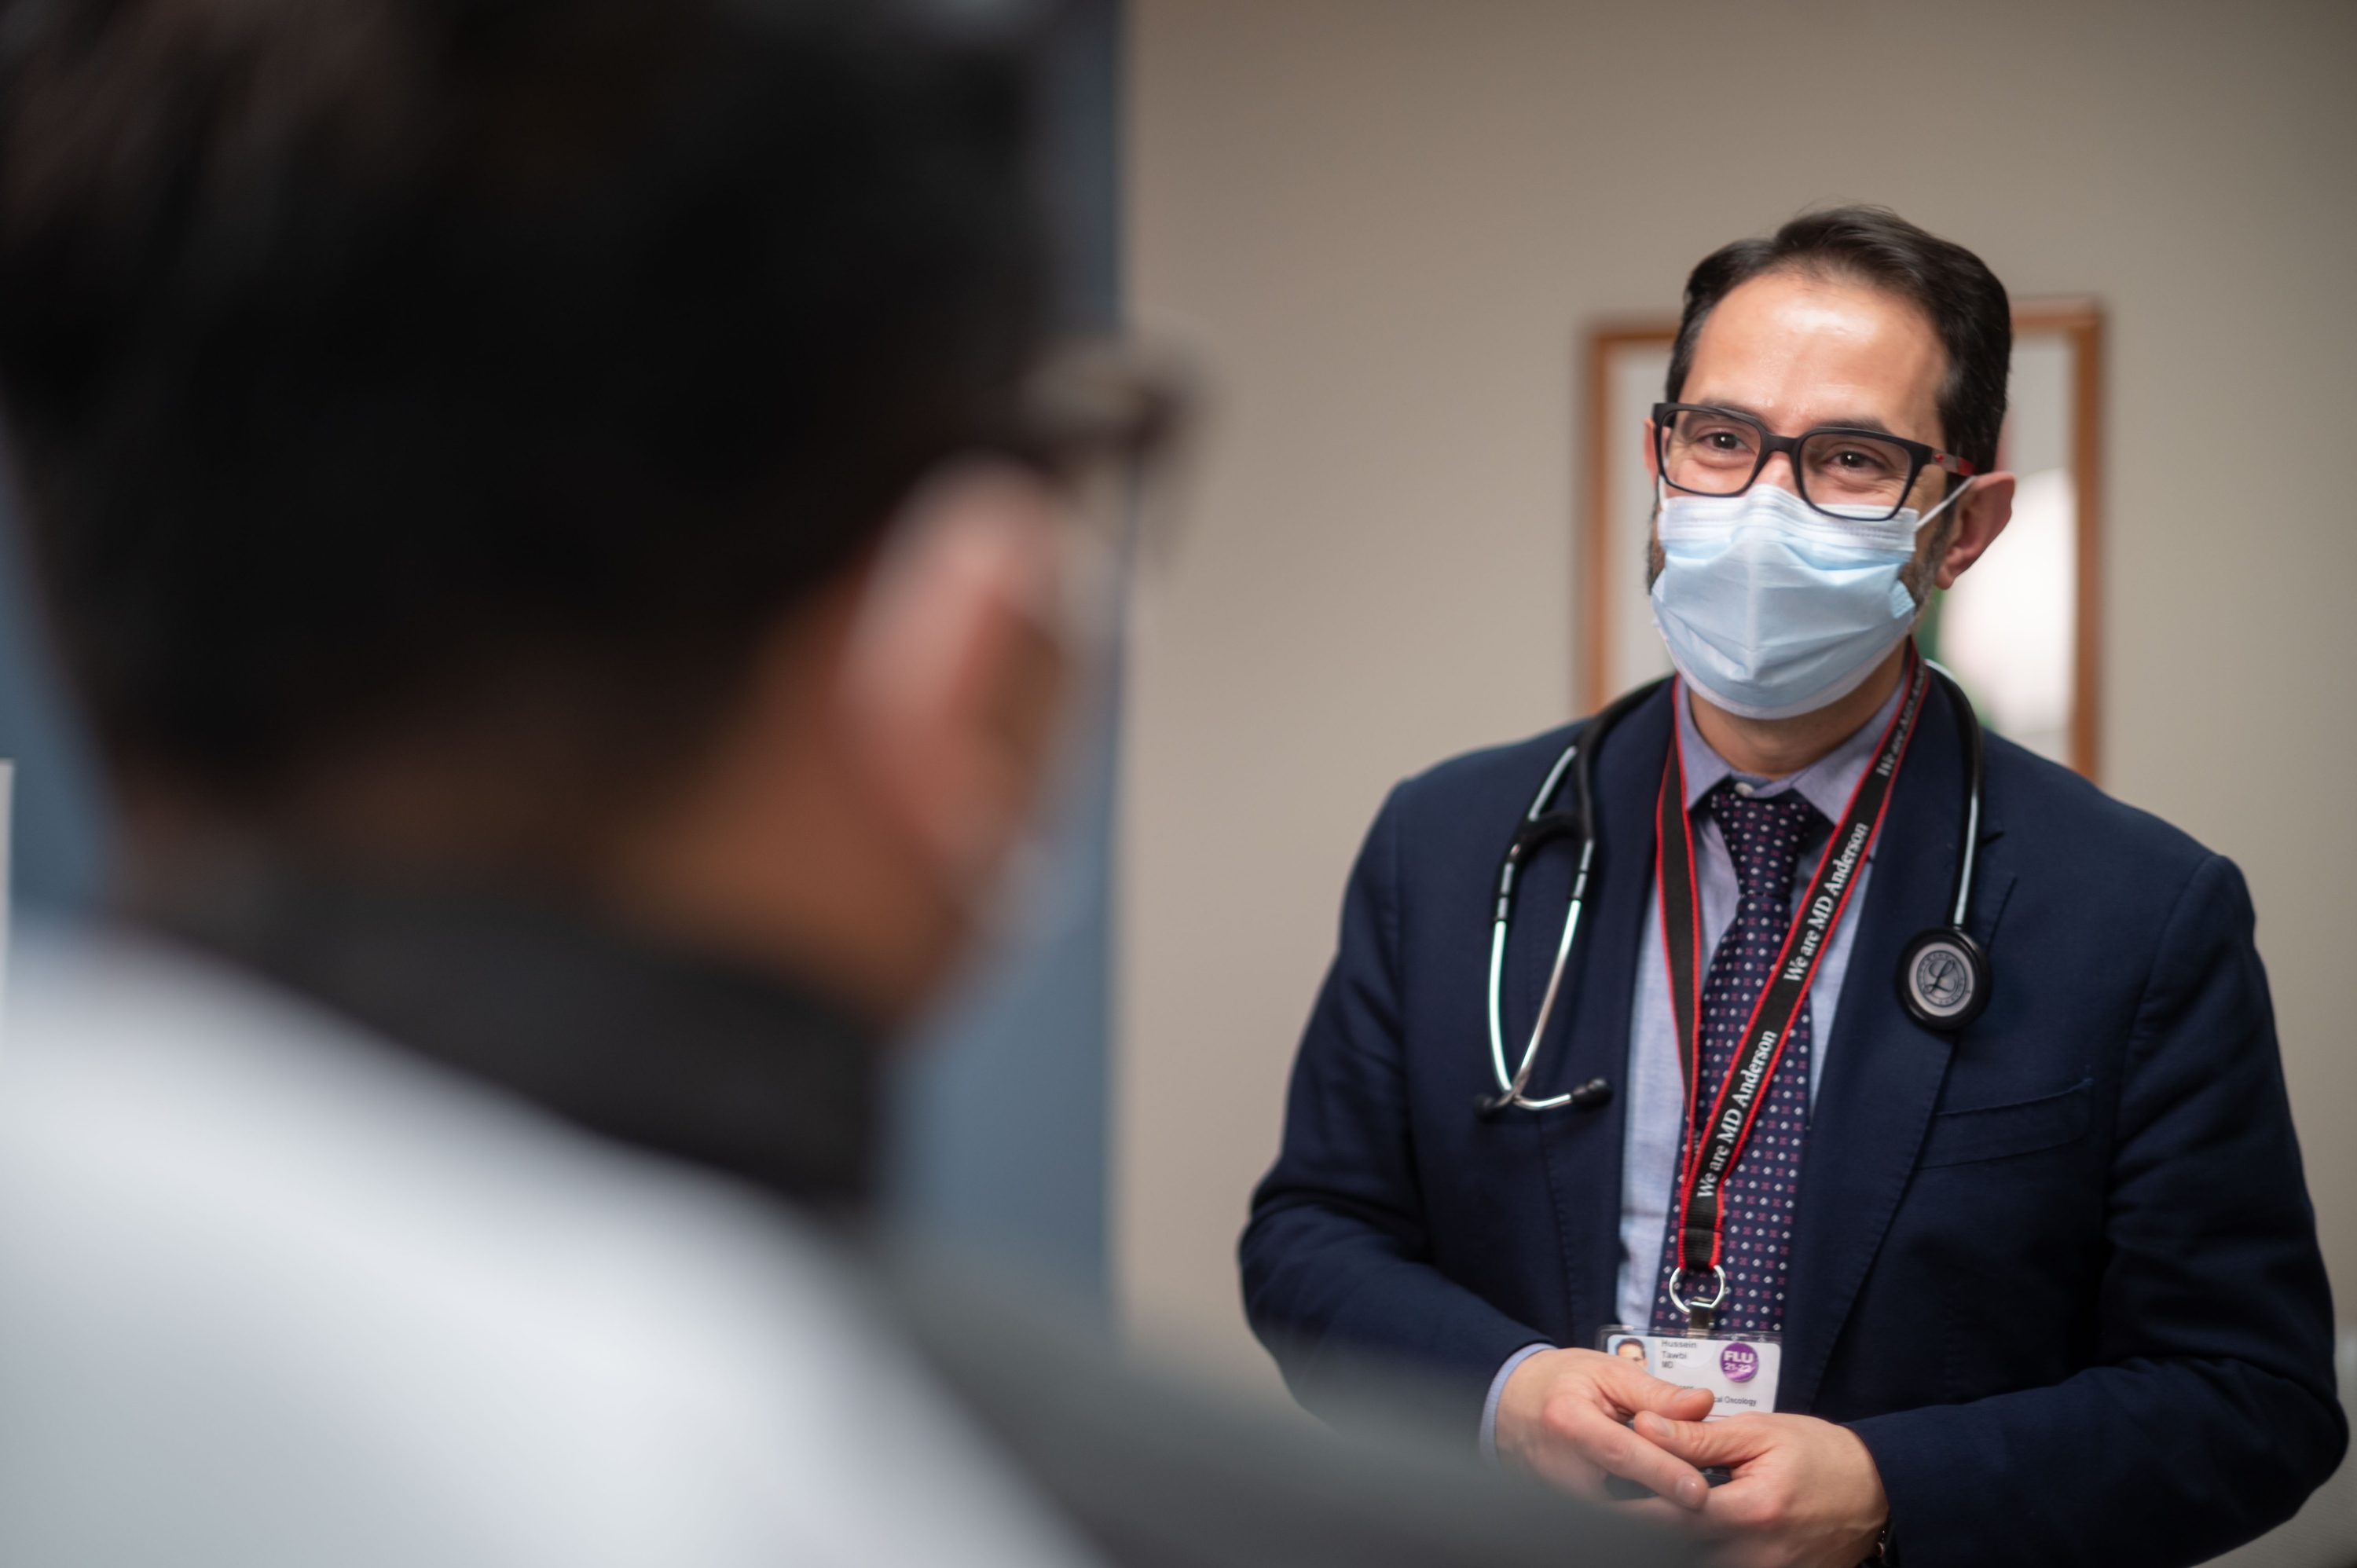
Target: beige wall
point(1380, 224)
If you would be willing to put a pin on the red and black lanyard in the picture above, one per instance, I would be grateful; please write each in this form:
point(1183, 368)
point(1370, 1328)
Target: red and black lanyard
point(1712, 1149)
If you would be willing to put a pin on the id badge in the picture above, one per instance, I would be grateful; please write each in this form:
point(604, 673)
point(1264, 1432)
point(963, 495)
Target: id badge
point(1740, 1370)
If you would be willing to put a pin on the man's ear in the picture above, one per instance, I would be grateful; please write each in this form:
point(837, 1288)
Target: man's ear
point(953, 680)
point(1652, 451)
point(1981, 515)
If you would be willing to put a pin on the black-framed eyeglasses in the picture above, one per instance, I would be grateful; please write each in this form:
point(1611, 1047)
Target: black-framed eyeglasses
point(1858, 476)
point(1101, 421)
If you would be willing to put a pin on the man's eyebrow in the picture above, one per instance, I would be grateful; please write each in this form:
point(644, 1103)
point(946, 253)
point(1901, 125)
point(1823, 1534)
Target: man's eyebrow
point(1867, 422)
point(1859, 421)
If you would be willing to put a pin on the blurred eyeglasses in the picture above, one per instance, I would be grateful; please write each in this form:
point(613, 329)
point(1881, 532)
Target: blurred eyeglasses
point(1105, 423)
point(1858, 476)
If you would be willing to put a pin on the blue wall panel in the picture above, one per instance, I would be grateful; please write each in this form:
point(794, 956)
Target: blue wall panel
point(1001, 1138)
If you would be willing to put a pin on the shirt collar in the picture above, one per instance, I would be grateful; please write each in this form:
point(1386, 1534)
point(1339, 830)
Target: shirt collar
point(1827, 783)
point(666, 1048)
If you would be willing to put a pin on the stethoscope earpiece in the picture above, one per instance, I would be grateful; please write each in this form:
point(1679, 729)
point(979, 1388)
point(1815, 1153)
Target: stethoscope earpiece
point(1593, 1095)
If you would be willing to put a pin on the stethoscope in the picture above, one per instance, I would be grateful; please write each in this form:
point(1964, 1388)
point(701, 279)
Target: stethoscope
point(1944, 975)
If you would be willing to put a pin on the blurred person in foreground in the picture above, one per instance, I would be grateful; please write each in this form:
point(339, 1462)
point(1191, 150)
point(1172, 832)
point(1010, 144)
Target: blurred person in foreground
point(566, 520)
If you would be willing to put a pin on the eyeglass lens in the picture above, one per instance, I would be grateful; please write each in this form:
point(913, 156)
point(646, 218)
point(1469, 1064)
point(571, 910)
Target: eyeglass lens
point(1718, 455)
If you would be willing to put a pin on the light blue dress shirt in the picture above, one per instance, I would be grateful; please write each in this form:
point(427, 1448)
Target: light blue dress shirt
point(1656, 1083)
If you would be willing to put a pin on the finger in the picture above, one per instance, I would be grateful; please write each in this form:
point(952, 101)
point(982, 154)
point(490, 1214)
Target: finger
point(1635, 1390)
point(1746, 1506)
point(1565, 1467)
point(1729, 1441)
point(1612, 1448)
point(1549, 1453)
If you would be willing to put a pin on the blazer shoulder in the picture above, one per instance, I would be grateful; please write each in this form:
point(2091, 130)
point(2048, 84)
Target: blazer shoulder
point(2056, 817)
point(1491, 776)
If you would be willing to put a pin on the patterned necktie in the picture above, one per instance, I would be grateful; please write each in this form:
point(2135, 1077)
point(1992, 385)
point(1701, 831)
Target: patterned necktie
point(1763, 835)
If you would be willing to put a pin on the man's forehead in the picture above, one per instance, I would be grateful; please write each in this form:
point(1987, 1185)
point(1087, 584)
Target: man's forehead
point(1799, 350)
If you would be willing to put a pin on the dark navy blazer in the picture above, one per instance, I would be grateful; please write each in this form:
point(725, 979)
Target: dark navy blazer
point(2059, 1273)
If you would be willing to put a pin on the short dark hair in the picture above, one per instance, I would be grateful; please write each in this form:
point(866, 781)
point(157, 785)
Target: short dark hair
point(366, 358)
point(1873, 245)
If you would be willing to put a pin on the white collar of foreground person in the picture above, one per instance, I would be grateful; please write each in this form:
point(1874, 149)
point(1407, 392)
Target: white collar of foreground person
point(276, 1294)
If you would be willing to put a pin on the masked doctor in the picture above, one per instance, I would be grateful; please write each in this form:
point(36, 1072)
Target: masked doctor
point(1918, 1106)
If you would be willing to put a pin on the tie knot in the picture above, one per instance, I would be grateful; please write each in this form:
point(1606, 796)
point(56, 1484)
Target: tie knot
point(1764, 834)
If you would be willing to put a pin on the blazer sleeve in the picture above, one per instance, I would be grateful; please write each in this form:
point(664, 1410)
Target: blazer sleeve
point(2208, 1412)
point(1336, 1258)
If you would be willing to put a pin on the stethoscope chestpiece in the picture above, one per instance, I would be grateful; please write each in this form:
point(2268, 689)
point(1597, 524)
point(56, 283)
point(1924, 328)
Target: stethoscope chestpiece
point(1944, 980)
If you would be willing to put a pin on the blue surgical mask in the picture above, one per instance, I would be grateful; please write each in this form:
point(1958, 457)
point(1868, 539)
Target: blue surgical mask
point(1771, 608)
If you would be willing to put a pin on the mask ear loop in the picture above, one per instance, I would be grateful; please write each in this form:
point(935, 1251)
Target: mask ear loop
point(1954, 497)
point(1925, 598)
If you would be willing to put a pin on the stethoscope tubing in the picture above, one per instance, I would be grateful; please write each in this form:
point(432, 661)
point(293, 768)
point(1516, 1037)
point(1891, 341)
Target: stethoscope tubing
point(1513, 1094)
point(1976, 766)
point(1577, 759)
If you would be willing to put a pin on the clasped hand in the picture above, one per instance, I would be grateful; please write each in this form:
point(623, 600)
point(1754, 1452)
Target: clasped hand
point(1805, 1493)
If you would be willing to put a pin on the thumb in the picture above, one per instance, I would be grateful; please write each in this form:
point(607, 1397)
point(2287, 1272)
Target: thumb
point(1639, 1390)
point(1699, 1442)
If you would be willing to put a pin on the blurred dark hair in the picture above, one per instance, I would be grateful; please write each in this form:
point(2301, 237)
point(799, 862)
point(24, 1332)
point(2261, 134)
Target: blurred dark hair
point(1874, 245)
point(372, 364)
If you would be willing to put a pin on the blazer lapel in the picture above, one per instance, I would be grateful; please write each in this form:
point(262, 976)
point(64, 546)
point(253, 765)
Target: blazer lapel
point(1590, 1037)
point(1884, 1071)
